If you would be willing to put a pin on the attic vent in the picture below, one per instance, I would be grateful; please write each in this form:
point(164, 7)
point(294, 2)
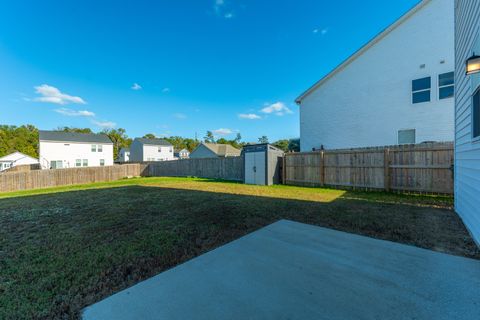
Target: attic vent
point(442, 61)
point(422, 66)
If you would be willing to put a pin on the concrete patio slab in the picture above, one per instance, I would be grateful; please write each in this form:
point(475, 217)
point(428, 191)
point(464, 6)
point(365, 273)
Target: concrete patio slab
point(290, 270)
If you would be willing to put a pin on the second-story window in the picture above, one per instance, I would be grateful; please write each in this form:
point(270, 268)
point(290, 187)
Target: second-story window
point(94, 148)
point(99, 148)
point(421, 90)
point(159, 149)
point(446, 85)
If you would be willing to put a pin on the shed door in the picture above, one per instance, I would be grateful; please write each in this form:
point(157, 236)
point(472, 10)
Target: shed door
point(250, 167)
point(260, 168)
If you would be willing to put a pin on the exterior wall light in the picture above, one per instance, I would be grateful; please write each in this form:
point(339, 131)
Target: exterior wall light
point(473, 64)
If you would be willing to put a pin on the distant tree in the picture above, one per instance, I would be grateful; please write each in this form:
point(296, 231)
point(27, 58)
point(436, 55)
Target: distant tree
point(209, 138)
point(23, 139)
point(73, 129)
point(282, 144)
point(119, 138)
point(223, 141)
point(294, 145)
point(149, 136)
point(263, 139)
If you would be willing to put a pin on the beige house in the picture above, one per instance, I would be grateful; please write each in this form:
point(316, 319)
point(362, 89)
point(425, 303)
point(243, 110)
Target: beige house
point(213, 150)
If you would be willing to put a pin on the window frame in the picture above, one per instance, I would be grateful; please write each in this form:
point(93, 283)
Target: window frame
point(99, 148)
point(84, 162)
point(412, 92)
point(93, 148)
point(78, 163)
point(475, 92)
point(410, 129)
point(439, 87)
point(102, 162)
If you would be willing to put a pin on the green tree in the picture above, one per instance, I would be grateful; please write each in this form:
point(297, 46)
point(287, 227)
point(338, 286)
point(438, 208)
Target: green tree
point(209, 138)
point(119, 138)
point(76, 130)
point(282, 144)
point(263, 139)
point(294, 145)
point(23, 139)
point(149, 136)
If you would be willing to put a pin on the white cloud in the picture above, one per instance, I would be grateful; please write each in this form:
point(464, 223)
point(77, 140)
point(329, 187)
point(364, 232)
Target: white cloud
point(249, 116)
point(166, 90)
point(104, 124)
point(228, 15)
point(180, 115)
point(221, 9)
point(277, 108)
point(53, 95)
point(136, 87)
point(75, 113)
point(222, 132)
point(321, 31)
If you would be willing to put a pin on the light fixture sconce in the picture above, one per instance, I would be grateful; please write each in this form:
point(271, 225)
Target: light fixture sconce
point(473, 65)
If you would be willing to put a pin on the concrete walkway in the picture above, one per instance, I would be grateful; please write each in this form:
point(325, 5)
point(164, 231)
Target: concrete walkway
point(290, 270)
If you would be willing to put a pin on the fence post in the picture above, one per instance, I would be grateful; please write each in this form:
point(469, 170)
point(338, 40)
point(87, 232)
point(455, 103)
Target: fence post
point(284, 169)
point(386, 162)
point(322, 168)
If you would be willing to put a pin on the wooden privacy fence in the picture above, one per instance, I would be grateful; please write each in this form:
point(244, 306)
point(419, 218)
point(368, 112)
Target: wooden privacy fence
point(35, 179)
point(410, 168)
point(230, 168)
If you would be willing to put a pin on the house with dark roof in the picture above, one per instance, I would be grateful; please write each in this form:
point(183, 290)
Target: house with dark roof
point(123, 155)
point(143, 149)
point(58, 149)
point(182, 154)
point(214, 150)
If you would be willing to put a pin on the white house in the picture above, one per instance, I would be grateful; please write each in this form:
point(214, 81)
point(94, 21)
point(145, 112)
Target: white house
point(467, 116)
point(214, 150)
point(143, 149)
point(16, 159)
point(397, 89)
point(123, 155)
point(58, 149)
point(182, 154)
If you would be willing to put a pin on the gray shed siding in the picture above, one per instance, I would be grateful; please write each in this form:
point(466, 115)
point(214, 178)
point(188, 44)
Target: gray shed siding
point(202, 152)
point(467, 151)
point(136, 151)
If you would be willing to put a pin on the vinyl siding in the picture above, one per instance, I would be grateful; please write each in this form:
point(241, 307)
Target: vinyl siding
point(467, 151)
point(202, 152)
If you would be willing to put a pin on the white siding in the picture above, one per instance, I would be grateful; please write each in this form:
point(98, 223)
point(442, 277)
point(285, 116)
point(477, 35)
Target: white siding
point(69, 152)
point(16, 159)
point(369, 100)
point(157, 153)
point(202, 152)
point(467, 152)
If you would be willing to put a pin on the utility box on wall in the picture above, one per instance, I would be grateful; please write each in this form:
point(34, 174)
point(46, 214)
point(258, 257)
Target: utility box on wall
point(262, 164)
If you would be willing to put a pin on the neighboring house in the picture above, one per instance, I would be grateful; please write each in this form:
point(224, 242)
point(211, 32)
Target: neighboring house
point(60, 149)
point(123, 155)
point(397, 89)
point(182, 154)
point(213, 150)
point(143, 149)
point(16, 159)
point(467, 116)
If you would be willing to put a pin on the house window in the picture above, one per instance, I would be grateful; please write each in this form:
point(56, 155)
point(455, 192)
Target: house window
point(476, 115)
point(102, 162)
point(159, 149)
point(99, 148)
point(56, 164)
point(94, 148)
point(421, 90)
point(78, 162)
point(406, 136)
point(85, 162)
point(446, 85)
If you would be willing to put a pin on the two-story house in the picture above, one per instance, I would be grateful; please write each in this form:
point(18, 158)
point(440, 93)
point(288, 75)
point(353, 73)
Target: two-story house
point(58, 149)
point(143, 149)
point(397, 89)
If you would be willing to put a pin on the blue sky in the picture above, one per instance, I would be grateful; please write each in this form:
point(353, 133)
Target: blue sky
point(176, 67)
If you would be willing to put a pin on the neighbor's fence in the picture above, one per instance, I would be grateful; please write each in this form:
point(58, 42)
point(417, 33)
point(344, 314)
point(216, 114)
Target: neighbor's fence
point(230, 168)
point(35, 179)
point(410, 168)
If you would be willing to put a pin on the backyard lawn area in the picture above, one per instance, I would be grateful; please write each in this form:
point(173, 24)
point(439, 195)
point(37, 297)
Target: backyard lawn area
point(65, 248)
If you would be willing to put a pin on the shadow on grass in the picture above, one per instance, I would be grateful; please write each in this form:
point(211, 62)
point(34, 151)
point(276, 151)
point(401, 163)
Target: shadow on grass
point(61, 252)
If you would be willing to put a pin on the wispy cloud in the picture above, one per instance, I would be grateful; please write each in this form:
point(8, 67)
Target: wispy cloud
point(180, 116)
point(104, 124)
point(166, 90)
point(222, 132)
point(222, 9)
point(249, 116)
point(136, 87)
point(277, 108)
point(322, 31)
point(75, 113)
point(51, 94)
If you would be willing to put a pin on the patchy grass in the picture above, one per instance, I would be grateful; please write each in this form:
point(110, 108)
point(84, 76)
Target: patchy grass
point(62, 249)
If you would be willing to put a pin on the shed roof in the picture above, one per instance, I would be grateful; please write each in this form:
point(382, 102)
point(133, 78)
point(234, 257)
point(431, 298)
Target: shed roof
point(73, 137)
point(222, 150)
point(363, 49)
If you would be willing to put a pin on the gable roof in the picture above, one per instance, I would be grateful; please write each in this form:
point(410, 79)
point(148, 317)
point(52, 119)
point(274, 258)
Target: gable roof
point(153, 142)
point(11, 157)
point(363, 49)
point(61, 136)
point(222, 150)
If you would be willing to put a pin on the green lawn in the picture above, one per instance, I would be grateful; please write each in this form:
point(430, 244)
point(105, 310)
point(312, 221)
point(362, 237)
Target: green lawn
point(62, 249)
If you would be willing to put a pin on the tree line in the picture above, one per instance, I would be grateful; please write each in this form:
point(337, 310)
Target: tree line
point(25, 140)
